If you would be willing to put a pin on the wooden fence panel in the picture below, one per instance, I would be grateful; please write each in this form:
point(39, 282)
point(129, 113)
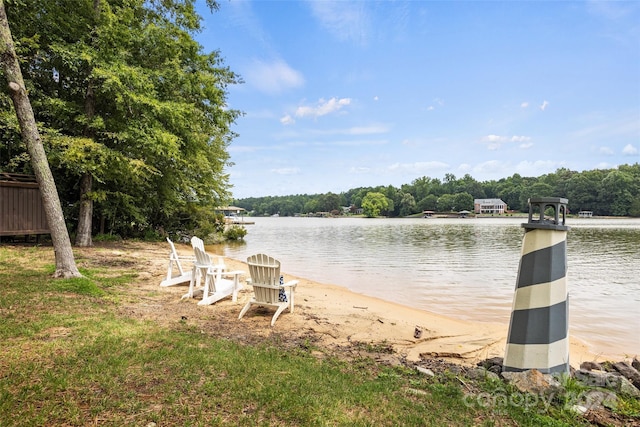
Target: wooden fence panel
point(21, 208)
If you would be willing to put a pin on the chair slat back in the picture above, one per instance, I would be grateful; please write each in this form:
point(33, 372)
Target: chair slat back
point(197, 242)
point(174, 256)
point(265, 277)
point(203, 260)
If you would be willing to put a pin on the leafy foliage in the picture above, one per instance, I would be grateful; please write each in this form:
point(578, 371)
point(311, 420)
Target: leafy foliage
point(605, 192)
point(374, 203)
point(235, 232)
point(124, 94)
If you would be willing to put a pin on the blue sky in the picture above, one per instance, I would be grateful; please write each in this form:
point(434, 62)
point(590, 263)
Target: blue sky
point(339, 95)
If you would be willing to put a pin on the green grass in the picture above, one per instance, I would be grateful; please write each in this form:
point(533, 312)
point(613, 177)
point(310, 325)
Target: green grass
point(68, 358)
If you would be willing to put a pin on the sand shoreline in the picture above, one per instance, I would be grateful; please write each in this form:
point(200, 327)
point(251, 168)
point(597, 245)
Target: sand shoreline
point(339, 316)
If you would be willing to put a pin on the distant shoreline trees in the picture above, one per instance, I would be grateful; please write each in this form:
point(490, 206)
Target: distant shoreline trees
point(605, 192)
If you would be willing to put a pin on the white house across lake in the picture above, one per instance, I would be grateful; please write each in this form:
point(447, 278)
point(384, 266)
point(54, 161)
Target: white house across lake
point(489, 206)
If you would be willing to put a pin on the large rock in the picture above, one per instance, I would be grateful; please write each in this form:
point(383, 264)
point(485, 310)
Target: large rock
point(608, 380)
point(532, 381)
point(594, 400)
point(590, 366)
point(493, 364)
point(482, 374)
point(629, 372)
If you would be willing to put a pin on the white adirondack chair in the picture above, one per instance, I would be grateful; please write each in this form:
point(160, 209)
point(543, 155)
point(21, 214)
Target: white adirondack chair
point(197, 242)
point(174, 258)
point(268, 287)
point(216, 284)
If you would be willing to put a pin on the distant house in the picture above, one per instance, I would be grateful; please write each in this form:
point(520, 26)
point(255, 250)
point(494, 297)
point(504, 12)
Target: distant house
point(230, 211)
point(489, 206)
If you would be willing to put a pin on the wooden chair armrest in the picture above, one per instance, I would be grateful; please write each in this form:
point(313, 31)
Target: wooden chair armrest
point(185, 257)
point(233, 273)
point(290, 283)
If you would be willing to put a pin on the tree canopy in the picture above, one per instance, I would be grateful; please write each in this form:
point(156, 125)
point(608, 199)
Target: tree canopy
point(133, 113)
point(605, 192)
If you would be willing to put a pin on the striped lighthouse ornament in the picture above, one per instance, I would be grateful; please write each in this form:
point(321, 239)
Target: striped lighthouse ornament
point(538, 335)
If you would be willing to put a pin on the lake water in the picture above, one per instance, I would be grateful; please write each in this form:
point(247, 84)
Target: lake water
point(462, 268)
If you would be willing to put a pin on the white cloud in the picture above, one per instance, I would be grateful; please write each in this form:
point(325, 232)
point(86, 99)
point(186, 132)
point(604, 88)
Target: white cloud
point(323, 108)
point(524, 105)
point(538, 167)
point(494, 138)
point(367, 130)
point(372, 129)
point(630, 150)
point(346, 21)
point(418, 167)
point(359, 142)
point(602, 128)
point(490, 166)
point(606, 150)
point(498, 168)
point(526, 145)
point(286, 171)
point(359, 170)
point(605, 165)
point(418, 142)
point(544, 105)
point(273, 77)
point(287, 120)
point(494, 142)
point(375, 98)
point(438, 103)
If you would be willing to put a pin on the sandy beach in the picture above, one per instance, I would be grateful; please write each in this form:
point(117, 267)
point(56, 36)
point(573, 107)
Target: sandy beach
point(337, 317)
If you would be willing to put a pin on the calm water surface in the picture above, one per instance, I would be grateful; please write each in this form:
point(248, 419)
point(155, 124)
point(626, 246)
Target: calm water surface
point(463, 268)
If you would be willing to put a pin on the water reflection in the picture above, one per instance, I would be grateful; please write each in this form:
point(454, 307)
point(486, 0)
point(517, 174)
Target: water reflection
point(465, 268)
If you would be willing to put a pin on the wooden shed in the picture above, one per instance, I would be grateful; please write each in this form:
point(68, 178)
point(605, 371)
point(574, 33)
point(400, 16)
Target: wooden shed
point(21, 208)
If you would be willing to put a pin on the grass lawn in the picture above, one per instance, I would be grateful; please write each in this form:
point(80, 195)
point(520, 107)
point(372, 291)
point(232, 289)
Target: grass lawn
point(71, 356)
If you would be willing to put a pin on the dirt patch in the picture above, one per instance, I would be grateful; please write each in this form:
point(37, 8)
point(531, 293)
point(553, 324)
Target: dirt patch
point(146, 300)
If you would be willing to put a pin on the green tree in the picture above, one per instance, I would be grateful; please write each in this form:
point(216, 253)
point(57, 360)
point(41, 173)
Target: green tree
point(311, 206)
point(582, 192)
point(447, 203)
point(329, 202)
point(617, 193)
point(428, 203)
point(463, 201)
point(374, 203)
point(539, 189)
point(407, 205)
point(135, 113)
point(64, 258)
point(634, 209)
point(467, 184)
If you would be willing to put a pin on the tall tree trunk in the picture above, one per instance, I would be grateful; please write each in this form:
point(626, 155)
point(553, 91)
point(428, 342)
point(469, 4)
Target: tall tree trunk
point(85, 216)
point(65, 262)
point(83, 236)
